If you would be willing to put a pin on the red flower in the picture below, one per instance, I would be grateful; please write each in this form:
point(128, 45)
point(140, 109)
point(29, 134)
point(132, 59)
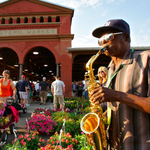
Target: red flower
point(63, 140)
point(67, 141)
point(53, 142)
point(57, 141)
point(23, 143)
point(73, 140)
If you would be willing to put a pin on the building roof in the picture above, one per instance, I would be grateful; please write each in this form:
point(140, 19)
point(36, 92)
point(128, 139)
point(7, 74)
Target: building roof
point(83, 49)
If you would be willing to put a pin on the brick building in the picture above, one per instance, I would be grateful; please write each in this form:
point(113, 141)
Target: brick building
point(28, 26)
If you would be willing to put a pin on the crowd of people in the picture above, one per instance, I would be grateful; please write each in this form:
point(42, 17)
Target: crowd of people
point(24, 89)
point(79, 89)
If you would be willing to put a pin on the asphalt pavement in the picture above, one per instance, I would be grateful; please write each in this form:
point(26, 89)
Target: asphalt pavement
point(20, 125)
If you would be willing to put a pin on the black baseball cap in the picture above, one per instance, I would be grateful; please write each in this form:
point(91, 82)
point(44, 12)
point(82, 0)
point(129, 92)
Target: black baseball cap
point(115, 25)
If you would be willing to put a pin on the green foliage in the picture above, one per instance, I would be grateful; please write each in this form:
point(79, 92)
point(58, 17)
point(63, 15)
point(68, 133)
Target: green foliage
point(83, 144)
point(26, 142)
point(79, 142)
point(15, 146)
point(71, 104)
point(4, 120)
point(73, 140)
point(66, 140)
point(71, 125)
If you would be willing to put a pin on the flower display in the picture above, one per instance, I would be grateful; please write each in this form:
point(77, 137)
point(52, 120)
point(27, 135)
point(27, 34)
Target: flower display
point(71, 104)
point(48, 121)
point(26, 142)
point(67, 142)
point(41, 123)
point(46, 112)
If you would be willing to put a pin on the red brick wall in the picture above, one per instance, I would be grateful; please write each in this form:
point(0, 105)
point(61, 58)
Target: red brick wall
point(57, 46)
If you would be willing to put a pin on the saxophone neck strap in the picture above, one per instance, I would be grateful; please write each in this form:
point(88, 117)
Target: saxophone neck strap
point(108, 107)
point(121, 66)
point(109, 86)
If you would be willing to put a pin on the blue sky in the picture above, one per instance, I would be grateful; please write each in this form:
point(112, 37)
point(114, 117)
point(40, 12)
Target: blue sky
point(90, 14)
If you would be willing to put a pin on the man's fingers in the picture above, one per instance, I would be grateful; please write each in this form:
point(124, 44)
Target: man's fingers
point(95, 90)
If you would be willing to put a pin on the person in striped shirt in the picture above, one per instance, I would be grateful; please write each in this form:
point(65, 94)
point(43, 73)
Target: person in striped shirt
point(127, 90)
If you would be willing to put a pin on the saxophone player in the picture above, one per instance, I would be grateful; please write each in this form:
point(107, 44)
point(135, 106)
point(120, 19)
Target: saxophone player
point(127, 90)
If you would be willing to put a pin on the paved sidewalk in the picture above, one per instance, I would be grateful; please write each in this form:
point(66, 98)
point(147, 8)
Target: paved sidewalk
point(20, 126)
point(30, 110)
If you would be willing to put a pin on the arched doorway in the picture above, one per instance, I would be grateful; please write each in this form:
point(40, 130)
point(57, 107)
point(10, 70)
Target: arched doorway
point(34, 66)
point(39, 62)
point(9, 62)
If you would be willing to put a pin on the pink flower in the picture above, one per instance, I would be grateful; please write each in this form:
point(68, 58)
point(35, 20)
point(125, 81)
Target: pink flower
point(21, 136)
point(29, 139)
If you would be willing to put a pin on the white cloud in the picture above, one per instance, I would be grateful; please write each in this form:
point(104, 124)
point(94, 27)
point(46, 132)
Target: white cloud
point(75, 3)
point(140, 39)
point(104, 13)
point(85, 41)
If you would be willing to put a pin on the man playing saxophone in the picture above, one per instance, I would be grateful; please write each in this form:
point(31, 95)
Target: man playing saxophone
point(127, 89)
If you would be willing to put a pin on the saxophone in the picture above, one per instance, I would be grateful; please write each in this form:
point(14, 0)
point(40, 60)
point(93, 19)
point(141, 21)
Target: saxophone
point(92, 124)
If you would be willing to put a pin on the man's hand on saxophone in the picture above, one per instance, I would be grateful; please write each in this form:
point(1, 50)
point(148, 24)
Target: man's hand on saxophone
point(102, 94)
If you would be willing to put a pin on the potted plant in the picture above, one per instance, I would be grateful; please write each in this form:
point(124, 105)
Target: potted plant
point(68, 142)
point(46, 112)
point(26, 142)
point(41, 123)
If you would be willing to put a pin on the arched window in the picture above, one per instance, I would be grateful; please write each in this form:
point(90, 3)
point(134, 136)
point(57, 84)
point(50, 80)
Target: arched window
point(33, 20)
point(25, 20)
point(49, 19)
point(18, 20)
point(57, 19)
point(3, 21)
point(41, 19)
point(10, 21)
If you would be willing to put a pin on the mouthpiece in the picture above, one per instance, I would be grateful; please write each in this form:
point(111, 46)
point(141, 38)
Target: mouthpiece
point(103, 49)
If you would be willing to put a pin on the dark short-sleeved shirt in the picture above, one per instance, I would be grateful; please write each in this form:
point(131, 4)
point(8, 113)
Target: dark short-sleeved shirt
point(22, 84)
point(43, 85)
point(130, 128)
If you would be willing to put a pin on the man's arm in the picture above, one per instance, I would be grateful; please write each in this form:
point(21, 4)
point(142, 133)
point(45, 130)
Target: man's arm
point(26, 89)
point(103, 94)
point(26, 86)
point(52, 89)
point(63, 90)
point(47, 88)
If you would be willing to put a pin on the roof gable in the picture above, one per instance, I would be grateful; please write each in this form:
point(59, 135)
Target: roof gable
point(30, 6)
